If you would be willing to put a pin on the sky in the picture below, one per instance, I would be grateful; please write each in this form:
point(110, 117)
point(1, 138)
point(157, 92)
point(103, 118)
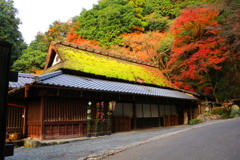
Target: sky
point(37, 15)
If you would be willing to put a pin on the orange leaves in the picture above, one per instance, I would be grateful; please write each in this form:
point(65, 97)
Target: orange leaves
point(192, 24)
point(36, 72)
point(197, 46)
point(142, 46)
point(73, 37)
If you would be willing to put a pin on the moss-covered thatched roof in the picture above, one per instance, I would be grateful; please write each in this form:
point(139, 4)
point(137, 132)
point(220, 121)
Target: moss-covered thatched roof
point(102, 63)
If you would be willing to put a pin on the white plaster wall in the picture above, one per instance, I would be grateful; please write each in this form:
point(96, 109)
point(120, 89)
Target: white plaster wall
point(161, 110)
point(146, 110)
point(154, 110)
point(56, 60)
point(128, 110)
point(139, 110)
point(118, 112)
point(174, 109)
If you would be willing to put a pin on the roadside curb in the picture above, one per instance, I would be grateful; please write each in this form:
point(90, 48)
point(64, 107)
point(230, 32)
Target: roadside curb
point(105, 153)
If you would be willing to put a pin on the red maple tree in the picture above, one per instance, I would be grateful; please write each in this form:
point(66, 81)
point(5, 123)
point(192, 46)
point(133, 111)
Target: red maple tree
point(197, 47)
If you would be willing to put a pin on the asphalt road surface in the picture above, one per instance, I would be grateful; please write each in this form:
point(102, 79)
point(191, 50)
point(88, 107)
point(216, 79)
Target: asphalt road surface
point(220, 141)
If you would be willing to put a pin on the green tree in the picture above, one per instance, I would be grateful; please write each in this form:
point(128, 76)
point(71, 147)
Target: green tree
point(170, 8)
point(33, 58)
point(229, 77)
point(9, 28)
point(107, 20)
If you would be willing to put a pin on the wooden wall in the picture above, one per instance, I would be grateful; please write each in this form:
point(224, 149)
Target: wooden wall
point(147, 115)
point(34, 118)
point(67, 117)
point(62, 116)
point(15, 119)
point(15, 116)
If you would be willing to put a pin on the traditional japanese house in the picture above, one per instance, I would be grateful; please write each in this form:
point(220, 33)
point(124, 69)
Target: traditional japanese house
point(56, 102)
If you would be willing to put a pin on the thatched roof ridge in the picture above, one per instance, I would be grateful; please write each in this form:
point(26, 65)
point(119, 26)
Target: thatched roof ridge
point(95, 62)
point(106, 53)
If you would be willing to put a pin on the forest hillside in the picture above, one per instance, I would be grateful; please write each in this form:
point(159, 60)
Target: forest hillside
point(195, 43)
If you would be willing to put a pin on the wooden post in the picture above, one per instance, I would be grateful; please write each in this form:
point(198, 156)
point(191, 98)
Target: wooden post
point(142, 116)
point(5, 54)
point(42, 119)
point(134, 116)
point(159, 118)
point(151, 115)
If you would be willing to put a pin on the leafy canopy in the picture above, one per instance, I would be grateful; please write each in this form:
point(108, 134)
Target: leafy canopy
point(107, 20)
point(9, 28)
point(196, 49)
point(33, 58)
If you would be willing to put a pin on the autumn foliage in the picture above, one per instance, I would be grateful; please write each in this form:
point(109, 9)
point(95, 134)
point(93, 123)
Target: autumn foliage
point(196, 43)
point(197, 46)
point(139, 45)
point(74, 37)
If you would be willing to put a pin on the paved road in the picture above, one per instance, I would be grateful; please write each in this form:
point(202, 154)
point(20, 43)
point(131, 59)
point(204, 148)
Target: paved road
point(108, 145)
point(220, 141)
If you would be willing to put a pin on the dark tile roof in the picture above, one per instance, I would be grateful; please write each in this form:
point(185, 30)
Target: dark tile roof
point(60, 79)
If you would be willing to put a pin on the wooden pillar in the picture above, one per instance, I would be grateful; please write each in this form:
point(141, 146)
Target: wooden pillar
point(151, 115)
point(25, 122)
point(134, 117)
point(159, 118)
point(5, 54)
point(122, 109)
point(42, 119)
point(164, 116)
point(142, 116)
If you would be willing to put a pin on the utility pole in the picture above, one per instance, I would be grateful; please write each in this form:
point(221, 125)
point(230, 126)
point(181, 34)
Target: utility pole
point(5, 54)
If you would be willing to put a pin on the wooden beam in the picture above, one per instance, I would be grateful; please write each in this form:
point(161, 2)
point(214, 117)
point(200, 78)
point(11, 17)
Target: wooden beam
point(26, 90)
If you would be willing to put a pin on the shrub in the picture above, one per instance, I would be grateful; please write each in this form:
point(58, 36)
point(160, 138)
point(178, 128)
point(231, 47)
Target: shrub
point(235, 112)
point(195, 121)
point(225, 115)
point(220, 111)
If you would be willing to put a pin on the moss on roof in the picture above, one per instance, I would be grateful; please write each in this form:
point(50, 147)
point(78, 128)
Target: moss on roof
point(98, 64)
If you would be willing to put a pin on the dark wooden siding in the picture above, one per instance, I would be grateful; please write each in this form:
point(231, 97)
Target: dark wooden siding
point(62, 109)
point(66, 117)
point(34, 118)
point(14, 119)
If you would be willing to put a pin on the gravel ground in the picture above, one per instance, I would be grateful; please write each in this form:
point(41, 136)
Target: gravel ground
point(100, 146)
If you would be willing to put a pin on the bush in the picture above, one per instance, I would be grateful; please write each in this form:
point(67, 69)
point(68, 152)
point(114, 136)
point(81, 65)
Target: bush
point(235, 112)
point(220, 111)
point(225, 115)
point(195, 121)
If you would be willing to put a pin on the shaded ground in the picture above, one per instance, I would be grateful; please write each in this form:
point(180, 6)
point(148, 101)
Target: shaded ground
point(102, 146)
